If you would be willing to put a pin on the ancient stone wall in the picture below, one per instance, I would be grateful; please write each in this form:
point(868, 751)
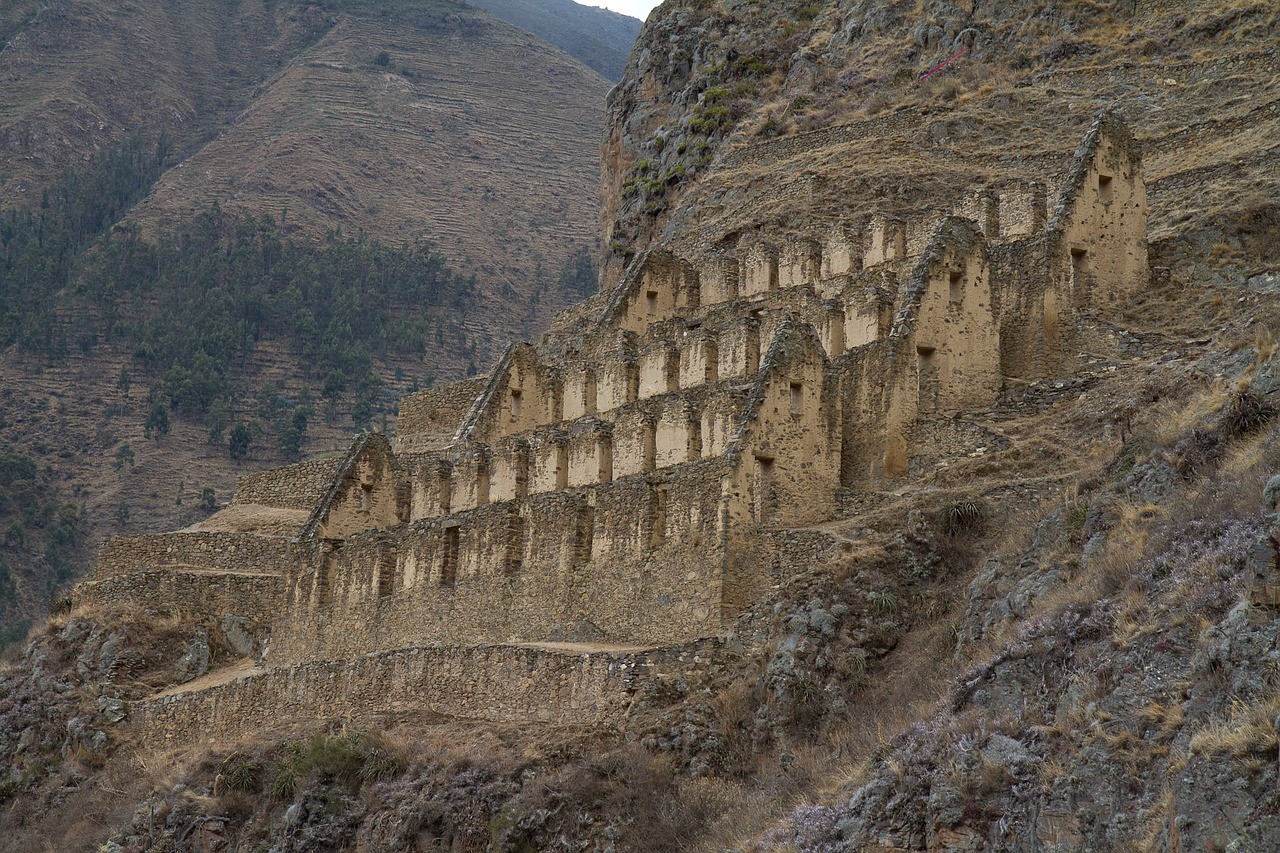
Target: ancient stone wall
point(428, 419)
point(298, 486)
point(635, 560)
point(500, 683)
point(244, 553)
point(173, 593)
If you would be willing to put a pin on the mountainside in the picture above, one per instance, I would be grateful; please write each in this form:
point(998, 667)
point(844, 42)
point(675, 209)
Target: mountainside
point(440, 157)
point(596, 37)
point(723, 98)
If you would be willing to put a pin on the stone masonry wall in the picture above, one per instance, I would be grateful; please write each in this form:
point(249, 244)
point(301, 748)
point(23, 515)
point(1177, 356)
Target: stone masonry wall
point(166, 593)
point(243, 553)
point(500, 683)
point(635, 560)
point(428, 419)
point(298, 486)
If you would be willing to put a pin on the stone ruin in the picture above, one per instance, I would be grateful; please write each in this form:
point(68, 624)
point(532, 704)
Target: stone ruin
point(591, 515)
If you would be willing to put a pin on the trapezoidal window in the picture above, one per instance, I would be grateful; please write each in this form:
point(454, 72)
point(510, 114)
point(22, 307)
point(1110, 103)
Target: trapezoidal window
point(773, 272)
point(658, 517)
point(955, 289)
point(516, 403)
point(1106, 189)
point(927, 378)
point(366, 497)
point(589, 392)
point(1079, 267)
point(796, 399)
point(449, 561)
point(766, 497)
point(651, 303)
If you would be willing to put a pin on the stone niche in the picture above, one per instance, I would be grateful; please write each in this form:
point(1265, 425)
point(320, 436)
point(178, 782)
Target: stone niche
point(886, 242)
point(759, 270)
point(699, 358)
point(800, 263)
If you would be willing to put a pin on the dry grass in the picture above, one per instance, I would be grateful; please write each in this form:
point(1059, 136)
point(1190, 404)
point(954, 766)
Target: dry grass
point(1248, 732)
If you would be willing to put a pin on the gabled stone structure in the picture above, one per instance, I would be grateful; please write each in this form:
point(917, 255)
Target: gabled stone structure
point(600, 488)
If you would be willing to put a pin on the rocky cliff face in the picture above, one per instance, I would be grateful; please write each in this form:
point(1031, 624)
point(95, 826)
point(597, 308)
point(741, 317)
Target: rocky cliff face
point(737, 116)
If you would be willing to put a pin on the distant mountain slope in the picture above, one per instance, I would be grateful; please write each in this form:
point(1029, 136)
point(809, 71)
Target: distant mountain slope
point(459, 129)
point(596, 37)
point(80, 78)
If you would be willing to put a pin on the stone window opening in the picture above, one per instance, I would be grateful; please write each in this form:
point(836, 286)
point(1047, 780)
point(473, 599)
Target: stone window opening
point(515, 544)
point(658, 517)
point(1079, 266)
point(449, 561)
point(482, 484)
point(515, 403)
point(927, 378)
point(366, 497)
point(797, 400)
point(1106, 189)
point(584, 536)
point(753, 351)
point(605, 473)
point(766, 497)
point(673, 371)
point(649, 446)
point(446, 494)
point(562, 467)
point(956, 287)
point(589, 392)
point(386, 575)
point(651, 303)
point(522, 474)
point(773, 273)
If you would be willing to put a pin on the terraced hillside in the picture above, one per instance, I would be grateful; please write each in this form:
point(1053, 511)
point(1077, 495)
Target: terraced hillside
point(436, 132)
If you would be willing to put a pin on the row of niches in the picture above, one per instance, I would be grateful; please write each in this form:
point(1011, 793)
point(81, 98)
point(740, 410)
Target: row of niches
point(677, 356)
point(667, 286)
point(641, 437)
point(544, 535)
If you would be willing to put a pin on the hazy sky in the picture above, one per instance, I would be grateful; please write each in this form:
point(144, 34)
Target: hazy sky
point(634, 8)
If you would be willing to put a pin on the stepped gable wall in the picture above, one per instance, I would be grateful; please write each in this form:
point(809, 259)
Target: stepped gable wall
point(498, 683)
point(170, 593)
point(521, 394)
point(1097, 241)
point(950, 313)
point(299, 486)
point(639, 559)
point(786, 451)
point(364, 493)
point(427, 420)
